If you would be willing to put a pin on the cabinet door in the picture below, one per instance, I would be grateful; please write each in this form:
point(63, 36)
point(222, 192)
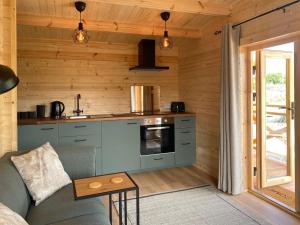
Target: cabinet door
point(185, 146)
point(120, 145)
point(33, 136)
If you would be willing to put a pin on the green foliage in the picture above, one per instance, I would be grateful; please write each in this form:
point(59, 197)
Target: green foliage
point(275, 78)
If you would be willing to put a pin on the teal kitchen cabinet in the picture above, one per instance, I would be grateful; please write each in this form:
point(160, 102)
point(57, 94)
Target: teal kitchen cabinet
point(185, 141)
point(33, 136)
point(157, 161)
point(120, 145)
point(82, 134)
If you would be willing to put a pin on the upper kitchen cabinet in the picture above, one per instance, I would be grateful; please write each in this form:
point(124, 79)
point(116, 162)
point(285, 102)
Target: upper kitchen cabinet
point(120, 145)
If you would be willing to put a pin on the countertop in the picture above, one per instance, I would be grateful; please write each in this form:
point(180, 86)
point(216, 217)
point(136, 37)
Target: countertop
point(101, 117)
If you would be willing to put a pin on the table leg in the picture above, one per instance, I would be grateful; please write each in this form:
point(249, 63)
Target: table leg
point(137, 207)
point(110, 209)
point(125, 207)
point(120, 208)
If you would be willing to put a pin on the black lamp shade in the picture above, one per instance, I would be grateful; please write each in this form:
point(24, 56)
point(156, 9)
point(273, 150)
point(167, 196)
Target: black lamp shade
point(8, 79)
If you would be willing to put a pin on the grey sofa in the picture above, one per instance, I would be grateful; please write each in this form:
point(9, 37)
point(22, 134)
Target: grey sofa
point(60, 208)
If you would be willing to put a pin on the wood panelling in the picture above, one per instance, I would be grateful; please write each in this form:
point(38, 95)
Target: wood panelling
point(58, 70)
point(8, 122)
point(105, 26)
point(187, 6)
point(199, 79)
point(280, 23)
point(199, 70)
point(143, 13)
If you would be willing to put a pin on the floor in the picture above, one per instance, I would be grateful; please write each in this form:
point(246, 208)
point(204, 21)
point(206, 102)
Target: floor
point(185, 177)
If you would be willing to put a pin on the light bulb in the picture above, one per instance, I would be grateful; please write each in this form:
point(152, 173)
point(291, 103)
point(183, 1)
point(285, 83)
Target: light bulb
point(80, 35)
point(166, 41)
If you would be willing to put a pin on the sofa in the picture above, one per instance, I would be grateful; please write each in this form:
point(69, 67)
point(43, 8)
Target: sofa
point(60, 208)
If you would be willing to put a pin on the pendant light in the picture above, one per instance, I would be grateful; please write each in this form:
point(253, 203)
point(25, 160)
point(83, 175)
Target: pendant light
point(80, 35)
point(166, 41)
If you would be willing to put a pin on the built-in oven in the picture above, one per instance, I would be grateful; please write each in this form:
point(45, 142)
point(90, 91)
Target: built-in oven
point(157, 136)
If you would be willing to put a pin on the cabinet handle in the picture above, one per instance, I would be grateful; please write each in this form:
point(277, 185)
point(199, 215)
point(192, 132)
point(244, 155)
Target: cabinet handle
point(83, 126)
point(186, 143)
point(132, 123)
point(185, 132)
point(158, 159)
point(50, 128)
point(79, 140)
point(186, 120)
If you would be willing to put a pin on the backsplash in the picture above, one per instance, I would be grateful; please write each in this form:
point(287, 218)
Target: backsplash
point(52, 70)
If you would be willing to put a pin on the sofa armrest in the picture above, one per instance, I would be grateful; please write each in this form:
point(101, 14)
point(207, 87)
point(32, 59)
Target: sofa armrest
point(78, 162)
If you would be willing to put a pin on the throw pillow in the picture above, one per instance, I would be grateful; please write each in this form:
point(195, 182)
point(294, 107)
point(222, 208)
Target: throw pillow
point(9, 217)
point(42, 172)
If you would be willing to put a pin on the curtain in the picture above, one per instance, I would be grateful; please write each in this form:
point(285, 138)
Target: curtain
point(230, 156)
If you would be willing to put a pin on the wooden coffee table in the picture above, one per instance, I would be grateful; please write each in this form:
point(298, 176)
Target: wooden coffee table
point(117, 183)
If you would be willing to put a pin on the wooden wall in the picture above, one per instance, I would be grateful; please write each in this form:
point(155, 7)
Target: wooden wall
point(59, 69)
point(8, 122)
point(199, 79)
point(199, 70)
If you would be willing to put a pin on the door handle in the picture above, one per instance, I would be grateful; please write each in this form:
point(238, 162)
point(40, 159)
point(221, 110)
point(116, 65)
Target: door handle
point(50, 128)
point(83, 126)
point(185, 132)
point(187, 143)
point(79, 140)
point(158, 159)
point(292, 109)
point(158, 128)
point(131, 123)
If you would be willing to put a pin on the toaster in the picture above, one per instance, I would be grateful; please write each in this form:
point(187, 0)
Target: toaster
point(177, 107)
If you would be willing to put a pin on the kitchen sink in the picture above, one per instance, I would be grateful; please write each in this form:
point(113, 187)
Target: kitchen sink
point(89, 116)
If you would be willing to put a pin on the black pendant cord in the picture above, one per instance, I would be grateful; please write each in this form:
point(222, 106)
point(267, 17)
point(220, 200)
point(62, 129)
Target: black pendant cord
point(263, 14)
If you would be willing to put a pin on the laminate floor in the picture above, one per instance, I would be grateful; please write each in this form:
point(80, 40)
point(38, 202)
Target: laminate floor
point(186, 177)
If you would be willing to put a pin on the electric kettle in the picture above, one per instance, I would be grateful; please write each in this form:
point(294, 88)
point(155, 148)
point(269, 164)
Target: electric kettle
point(57, 108)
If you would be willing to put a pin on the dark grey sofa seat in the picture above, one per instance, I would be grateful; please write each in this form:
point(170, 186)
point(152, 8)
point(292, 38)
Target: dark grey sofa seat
point(60, 208)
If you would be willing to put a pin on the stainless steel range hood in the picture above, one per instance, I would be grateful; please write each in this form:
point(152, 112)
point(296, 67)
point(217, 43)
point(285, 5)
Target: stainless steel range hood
point(146, 57)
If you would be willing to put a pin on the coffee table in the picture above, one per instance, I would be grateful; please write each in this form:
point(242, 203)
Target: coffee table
point(109, 184)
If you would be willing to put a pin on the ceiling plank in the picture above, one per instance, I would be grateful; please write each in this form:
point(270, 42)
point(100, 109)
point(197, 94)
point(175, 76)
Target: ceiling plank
point(203, 7)
point(104, 26)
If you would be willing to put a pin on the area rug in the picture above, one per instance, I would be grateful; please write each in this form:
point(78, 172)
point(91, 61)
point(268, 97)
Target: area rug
point(196, 206)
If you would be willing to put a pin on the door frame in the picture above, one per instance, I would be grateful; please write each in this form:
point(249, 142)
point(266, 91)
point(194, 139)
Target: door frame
point(247, 96)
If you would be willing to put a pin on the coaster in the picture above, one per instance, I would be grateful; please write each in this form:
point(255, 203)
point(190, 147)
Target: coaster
point(95, 185)
point(117, 180)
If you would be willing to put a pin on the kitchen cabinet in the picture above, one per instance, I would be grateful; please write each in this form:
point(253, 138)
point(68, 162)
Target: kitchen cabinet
point(82, 134)
point(117, 142)
point(120, 145)
point(157, 161)
point(33, 136)
point(185, 141)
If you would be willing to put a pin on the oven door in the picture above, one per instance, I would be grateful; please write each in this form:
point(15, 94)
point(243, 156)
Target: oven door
point(156, 139)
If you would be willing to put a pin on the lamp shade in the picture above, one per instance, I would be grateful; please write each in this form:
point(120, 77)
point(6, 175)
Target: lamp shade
point(8, 79)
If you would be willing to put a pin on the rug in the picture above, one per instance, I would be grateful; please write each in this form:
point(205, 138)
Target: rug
point(196, 206)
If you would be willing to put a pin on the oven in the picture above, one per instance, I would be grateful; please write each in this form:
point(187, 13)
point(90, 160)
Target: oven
point(157, 136)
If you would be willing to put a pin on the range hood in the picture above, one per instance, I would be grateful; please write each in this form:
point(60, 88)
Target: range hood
point(147, 57)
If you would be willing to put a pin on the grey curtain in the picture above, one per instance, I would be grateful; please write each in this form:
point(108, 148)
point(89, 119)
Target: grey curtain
point(230, 156)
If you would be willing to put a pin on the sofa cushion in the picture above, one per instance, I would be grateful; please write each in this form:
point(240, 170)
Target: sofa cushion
point(42, 172)
point(9, 217)
point(13, 192)
point(61, 207)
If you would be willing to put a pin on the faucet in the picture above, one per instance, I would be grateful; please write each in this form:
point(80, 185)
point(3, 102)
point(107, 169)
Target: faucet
point(78, 111)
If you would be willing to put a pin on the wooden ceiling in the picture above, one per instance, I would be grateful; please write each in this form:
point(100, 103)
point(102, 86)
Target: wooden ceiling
point(141, 17)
